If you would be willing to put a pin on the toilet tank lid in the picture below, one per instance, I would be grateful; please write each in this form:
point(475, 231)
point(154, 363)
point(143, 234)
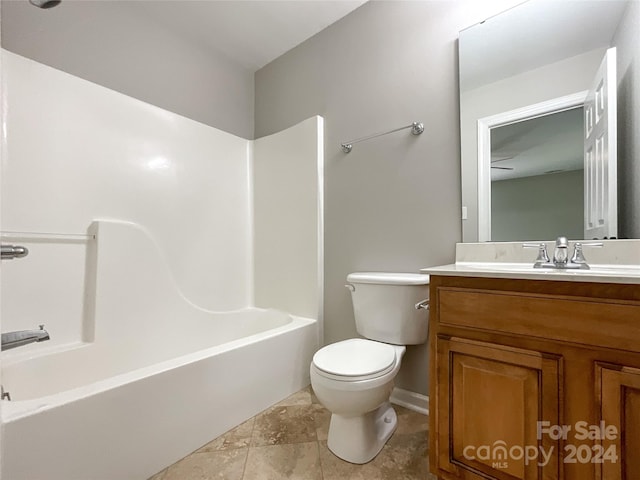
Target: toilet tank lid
point(384, 278)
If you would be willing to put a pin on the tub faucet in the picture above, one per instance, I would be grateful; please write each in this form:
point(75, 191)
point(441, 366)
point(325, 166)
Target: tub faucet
point(23, 337)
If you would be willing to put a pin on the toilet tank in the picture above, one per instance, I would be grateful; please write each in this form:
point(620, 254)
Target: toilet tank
point(384, 306)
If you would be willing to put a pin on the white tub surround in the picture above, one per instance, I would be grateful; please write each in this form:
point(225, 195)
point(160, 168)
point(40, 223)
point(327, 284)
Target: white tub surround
point(617, 261)
point(161, 378)
point(288, 219)
point(101, 154)
point(156, 347)
point(76, 151)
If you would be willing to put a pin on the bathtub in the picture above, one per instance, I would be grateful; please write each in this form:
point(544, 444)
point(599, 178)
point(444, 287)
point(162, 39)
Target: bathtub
point(154, 378)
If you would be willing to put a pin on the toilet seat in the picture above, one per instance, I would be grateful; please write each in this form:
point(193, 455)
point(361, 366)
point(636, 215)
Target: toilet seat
point(354, 360)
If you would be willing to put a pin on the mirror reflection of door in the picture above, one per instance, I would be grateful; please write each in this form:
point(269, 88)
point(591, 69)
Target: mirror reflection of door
point(537, 178)
point(601, 153)
point(546, 54)
point(554, 170)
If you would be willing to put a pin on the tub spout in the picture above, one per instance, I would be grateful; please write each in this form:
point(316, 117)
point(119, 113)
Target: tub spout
point(23, 337)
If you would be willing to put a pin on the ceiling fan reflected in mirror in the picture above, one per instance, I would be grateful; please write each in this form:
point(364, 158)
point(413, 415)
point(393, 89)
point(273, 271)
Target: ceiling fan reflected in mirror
point(501, 160)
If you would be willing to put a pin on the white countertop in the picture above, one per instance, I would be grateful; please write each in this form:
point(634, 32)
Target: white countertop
point(599, 273)
point(618, 261)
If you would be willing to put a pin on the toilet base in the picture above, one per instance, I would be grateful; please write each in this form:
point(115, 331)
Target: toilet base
point(359, 439)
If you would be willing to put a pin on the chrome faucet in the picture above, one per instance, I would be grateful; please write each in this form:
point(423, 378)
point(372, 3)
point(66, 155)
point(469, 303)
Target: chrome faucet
point(561, 259)
point(23, 337)
point(561, 252)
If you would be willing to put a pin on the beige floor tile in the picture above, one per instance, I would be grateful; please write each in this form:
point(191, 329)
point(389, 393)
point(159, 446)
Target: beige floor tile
point(314, 399)
point(282, 425)
point(158, 476)
point(322, 419)
point(303, 397)
point(410, 421)
point(403, 458)
point(408, 454)
point(238, 437)
point(225, 465)
point(299, 461)
point(334, 468)
point(288, 441)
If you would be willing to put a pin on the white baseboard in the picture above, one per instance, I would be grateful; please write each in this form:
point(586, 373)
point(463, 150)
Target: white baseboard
point(411, 400)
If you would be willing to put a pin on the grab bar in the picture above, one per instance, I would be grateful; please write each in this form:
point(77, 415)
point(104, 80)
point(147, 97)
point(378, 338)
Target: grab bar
point(9, 252)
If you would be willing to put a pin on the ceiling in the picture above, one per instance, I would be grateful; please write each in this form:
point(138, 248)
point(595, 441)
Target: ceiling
point(540, 32)
point(252, 32)
point(543, 145)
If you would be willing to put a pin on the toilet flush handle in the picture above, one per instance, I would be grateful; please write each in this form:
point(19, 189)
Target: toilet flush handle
point(423, 304)
point(351, 287)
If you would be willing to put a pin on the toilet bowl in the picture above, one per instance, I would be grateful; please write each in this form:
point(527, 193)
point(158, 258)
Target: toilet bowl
point(356, 392)
point(354, 378)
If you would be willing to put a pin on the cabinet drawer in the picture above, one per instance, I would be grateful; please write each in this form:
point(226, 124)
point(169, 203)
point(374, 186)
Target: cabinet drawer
point(614, 324)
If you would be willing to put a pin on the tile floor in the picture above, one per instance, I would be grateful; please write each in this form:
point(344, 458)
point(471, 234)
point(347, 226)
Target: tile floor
point(289, 441)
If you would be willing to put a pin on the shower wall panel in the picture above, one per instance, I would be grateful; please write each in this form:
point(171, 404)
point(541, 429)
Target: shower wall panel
point(288, 219)
point(75, 152)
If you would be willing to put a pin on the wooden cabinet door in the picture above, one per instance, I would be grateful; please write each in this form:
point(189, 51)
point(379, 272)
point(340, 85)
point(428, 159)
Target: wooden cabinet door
point(489, 401)
point(619, 399)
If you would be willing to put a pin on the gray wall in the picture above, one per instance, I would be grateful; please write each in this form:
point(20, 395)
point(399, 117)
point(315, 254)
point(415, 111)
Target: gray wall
point(538, 207)
point(111, 44)
point(627, 42)
point(393, 203)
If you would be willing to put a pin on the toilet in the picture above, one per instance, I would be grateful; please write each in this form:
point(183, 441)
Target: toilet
point(353, 378)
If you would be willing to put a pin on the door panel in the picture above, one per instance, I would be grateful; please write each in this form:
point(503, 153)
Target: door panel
point(496, 395)
point(600, 153)
point(619, 399)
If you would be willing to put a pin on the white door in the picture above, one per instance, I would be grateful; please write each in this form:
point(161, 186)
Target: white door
point(600, 153)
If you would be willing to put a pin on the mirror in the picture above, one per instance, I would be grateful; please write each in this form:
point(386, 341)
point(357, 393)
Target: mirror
point(542, 154)
point(525, 75)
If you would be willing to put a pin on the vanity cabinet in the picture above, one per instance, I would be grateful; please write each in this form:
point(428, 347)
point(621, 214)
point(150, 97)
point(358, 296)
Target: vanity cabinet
point(619, 396)
point(534, 379)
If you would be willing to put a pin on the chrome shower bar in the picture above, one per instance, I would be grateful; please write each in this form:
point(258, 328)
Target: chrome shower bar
point(416, 129)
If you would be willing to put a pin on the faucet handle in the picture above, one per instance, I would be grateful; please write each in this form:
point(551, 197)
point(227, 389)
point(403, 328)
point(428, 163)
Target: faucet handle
point(578, 256)
point(543, 256)
point(590, 244)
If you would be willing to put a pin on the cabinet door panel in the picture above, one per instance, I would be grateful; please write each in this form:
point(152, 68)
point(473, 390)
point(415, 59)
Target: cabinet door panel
point(496, 395)
point(619, 391)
